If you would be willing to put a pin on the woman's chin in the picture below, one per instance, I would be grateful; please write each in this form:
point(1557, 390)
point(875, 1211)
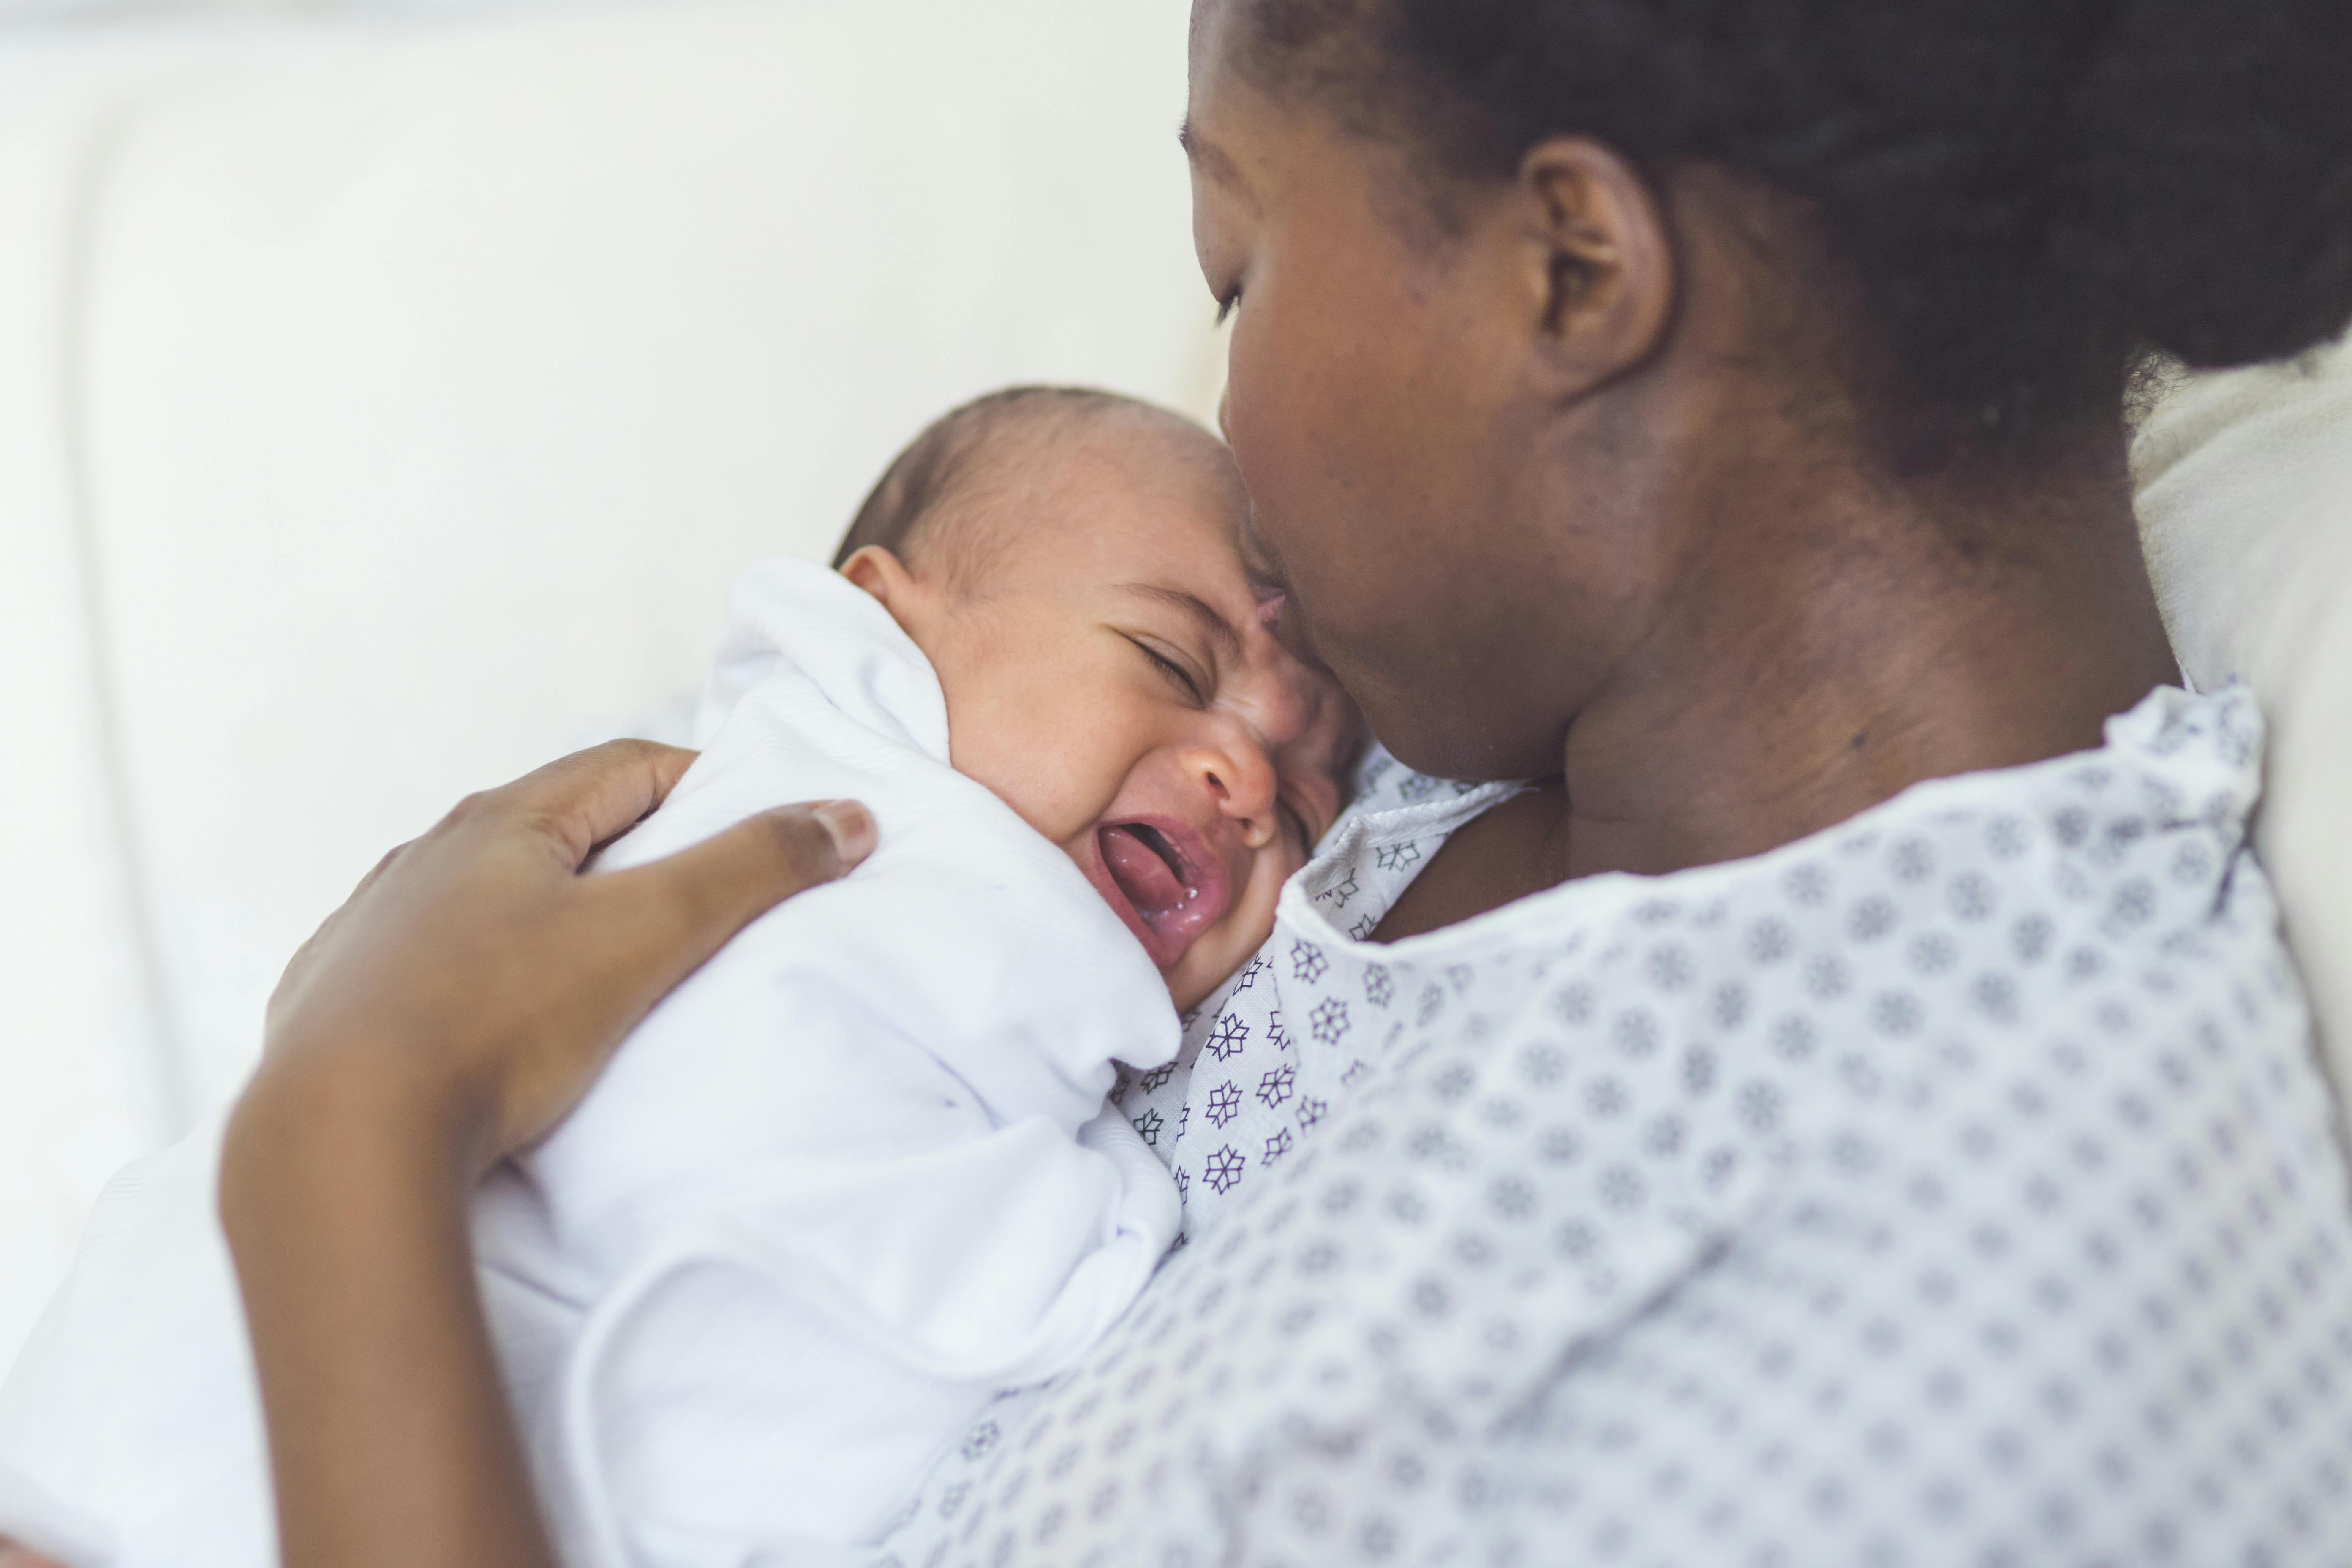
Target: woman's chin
point(1443, 746)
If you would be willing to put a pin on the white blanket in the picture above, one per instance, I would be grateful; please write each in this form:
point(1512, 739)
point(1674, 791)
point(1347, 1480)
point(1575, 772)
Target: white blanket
point(853, 1177)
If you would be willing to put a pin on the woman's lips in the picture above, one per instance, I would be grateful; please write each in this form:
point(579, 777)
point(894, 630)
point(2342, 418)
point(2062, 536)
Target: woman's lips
point(1159, 876)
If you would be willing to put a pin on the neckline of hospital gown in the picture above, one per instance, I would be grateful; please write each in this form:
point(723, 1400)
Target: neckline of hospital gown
point(1953, 1186)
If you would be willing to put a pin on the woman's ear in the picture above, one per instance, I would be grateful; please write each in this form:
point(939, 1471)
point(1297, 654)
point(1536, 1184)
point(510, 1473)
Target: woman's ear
point(1601, 267)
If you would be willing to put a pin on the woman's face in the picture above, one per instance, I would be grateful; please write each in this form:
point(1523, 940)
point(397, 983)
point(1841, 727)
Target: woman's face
point(1388, 404)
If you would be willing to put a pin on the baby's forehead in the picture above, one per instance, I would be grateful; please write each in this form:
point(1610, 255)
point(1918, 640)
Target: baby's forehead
point(1095, 445)
point(1126, 489)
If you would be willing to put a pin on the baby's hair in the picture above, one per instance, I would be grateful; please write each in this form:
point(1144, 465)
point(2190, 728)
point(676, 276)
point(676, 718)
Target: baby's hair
point(902, 512)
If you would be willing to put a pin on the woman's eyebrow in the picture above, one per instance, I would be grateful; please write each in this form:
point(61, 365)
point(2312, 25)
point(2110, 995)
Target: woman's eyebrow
point(1219, 629)
point(1208, 157)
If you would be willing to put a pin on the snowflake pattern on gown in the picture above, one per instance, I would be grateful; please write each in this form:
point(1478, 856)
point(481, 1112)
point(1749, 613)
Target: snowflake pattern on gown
point(1954, 1187)
point(1248, 1078)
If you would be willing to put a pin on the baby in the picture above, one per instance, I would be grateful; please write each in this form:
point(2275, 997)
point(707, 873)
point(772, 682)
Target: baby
point(856, 1175)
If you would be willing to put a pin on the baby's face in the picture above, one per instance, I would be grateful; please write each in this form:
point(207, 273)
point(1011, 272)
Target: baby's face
point(1111, 673)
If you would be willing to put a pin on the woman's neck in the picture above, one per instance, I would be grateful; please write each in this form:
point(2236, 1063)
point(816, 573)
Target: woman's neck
point(1849, 646)
point(1841, 640)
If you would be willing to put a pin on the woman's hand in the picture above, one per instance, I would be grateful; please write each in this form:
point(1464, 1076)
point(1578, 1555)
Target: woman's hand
point(449, 1013)
point(474, 974)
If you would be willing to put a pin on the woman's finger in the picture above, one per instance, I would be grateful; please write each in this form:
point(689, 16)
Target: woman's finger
point(306, 956)
point(588, 798)
point(664, 920)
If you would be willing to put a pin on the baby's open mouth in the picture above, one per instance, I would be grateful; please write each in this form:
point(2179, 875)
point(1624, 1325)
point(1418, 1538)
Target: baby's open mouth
point(1144, 864)
point(1170, 894)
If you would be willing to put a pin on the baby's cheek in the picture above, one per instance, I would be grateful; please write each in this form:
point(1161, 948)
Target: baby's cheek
point(1253, 912)
point(1233, 941)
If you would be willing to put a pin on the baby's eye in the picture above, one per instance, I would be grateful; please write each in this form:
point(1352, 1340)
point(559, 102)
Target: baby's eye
point(1183, 678)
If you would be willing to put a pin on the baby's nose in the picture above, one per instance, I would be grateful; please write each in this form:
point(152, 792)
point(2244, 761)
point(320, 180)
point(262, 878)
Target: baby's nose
point(1239, 778)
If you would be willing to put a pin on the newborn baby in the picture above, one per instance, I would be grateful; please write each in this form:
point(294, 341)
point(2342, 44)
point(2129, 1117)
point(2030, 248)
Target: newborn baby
point(856, 1175)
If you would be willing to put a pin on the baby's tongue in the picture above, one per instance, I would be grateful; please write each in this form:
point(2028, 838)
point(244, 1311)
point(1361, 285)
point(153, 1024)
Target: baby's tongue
point(1149, 882)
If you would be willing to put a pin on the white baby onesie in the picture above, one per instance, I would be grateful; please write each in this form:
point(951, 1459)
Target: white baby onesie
point(849, 1180)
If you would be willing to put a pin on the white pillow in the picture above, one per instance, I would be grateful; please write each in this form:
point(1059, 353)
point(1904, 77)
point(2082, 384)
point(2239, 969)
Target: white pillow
point(2246, 500)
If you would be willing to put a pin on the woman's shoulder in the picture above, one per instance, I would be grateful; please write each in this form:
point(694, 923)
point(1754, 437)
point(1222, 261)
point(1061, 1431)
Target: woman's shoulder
point(1983, 1140)
point(1998, 1101)
point(2006, 956)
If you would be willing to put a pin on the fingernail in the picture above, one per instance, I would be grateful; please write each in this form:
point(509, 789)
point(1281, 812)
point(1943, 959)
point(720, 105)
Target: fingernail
point(852, 827)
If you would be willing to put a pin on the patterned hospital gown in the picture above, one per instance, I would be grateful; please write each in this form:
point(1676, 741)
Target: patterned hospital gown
point(1956, 1187)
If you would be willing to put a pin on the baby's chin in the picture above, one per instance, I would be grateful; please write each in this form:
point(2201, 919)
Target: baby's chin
point(1196, 975)
point(1218, 952)
point(1236, 937)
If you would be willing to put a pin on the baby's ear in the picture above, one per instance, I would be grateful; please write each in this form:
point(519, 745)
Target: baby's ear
point(880, 574)
point(918, 603)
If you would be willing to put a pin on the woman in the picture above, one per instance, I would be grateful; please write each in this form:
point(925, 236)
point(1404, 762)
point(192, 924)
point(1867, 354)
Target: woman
point(1716, 410)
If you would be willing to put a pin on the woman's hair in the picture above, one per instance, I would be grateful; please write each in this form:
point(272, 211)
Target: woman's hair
point(2025, 196)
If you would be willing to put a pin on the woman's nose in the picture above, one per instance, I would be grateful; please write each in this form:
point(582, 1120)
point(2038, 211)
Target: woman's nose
point(1239, 778)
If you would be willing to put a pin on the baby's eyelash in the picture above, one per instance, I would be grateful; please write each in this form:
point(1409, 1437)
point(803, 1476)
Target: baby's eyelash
point(1174, 672)
point(1225, 306)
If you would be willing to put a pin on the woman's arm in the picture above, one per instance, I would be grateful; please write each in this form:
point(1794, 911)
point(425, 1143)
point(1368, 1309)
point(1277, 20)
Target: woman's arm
point(450, 1014)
